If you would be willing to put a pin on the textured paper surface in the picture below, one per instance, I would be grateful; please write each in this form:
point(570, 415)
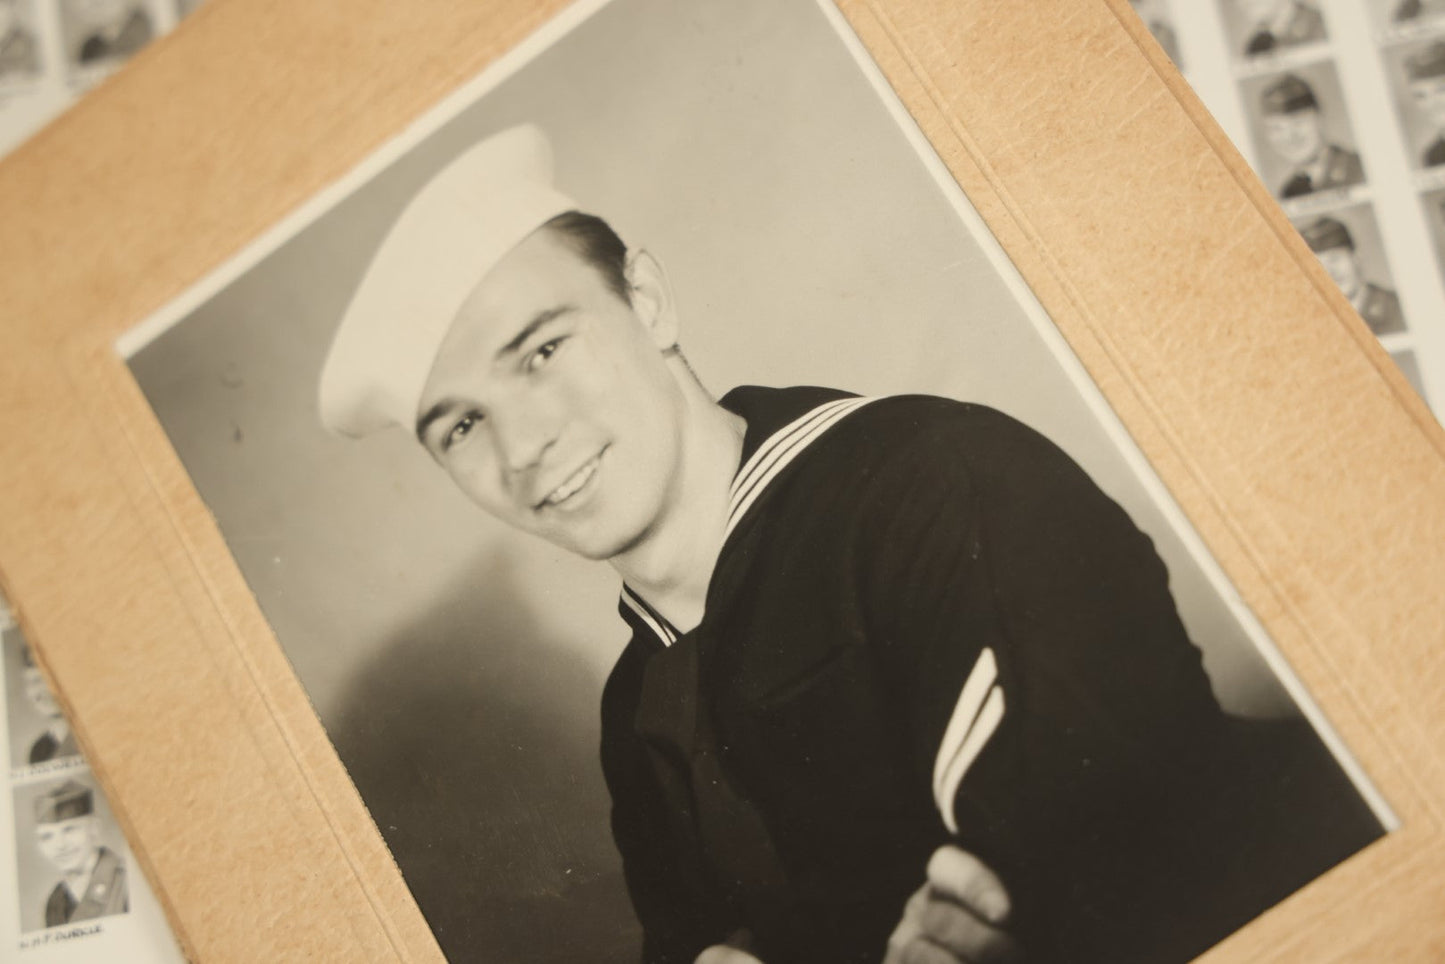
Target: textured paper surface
point(1313, 472)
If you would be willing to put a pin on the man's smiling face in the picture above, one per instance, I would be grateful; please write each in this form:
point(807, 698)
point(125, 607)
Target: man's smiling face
point(551, 403)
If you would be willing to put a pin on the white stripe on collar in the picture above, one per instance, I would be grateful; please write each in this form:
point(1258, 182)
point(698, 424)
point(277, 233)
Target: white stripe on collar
point(659, 627)
point(771, 458)
point(779, 450)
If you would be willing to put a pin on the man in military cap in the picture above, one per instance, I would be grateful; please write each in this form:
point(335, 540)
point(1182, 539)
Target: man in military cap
point(902, 684)
point(1294, 129)
point(1333, 244)
point(67, 831)
point(1425, 75)
point(57, 742)
point(1273, 24)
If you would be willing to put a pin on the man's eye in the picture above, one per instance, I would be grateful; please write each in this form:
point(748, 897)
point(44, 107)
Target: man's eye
point(459, 431)
point(542, 354)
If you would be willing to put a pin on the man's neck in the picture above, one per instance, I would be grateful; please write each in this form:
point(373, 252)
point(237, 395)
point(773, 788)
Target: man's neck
point(672, 567)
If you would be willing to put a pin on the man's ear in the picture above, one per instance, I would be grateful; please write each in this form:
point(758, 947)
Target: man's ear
point(652, 299)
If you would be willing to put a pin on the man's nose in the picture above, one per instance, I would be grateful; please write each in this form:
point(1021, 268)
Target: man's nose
point(522, 435)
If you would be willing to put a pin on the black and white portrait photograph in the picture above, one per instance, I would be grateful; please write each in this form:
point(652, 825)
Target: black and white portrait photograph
point(1347, 241)
point(70, 857)
point(39, 733)
point(98, 33)
point(1159, 18)
point(20, 51)
point(699, 546)
point(1417, 73)
point(1300, 124)
point(1258, 27)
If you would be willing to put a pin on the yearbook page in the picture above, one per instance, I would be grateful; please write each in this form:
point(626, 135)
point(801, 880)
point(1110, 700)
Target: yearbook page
point(70, 890)
point(1340, 107)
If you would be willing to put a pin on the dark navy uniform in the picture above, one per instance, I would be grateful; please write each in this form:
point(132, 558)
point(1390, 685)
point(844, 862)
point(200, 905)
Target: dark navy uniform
point(926, 626)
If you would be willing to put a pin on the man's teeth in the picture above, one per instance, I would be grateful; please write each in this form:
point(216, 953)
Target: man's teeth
point(570, 487)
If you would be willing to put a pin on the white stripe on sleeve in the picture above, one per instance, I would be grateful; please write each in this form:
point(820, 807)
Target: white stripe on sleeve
point(983, 728)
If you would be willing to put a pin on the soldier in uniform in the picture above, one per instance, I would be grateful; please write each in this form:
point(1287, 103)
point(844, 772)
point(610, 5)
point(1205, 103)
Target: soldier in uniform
point(57, 742)
point(112, 29)
point(1333, 244)
point(1280, 23)
point(67, 831)
point(902, 680)
point(19, 53)
point(1425, 74)
point(1293, 127)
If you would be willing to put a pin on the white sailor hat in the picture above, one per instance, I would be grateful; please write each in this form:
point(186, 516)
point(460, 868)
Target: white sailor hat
point(465, 220)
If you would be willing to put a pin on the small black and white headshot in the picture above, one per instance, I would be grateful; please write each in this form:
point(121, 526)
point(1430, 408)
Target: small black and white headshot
point(70, 861)
point(1270, 26)
point(19, 47)
point(101, 32)
point(1300, 121)
point(1160, 21)
point(1417, 71)
point(39, 732)
point(1348, 244)
point(728, 441)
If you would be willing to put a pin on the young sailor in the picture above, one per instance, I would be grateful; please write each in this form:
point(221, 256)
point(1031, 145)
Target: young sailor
point(876, 642)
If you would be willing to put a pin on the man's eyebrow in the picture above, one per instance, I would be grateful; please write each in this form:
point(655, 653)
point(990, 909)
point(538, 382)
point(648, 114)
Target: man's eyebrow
point(530, 328)
point(431, 415)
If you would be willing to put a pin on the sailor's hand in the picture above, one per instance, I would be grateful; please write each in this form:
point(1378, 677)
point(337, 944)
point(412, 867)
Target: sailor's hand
point(722, 954)
point(958, 917)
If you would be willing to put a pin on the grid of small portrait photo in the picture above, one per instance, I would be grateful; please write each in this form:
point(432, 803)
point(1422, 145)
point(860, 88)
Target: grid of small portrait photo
point(70, 856)
point(1339, 107)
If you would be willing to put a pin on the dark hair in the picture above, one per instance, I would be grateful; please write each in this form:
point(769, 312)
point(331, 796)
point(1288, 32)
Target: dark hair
point(594, 241)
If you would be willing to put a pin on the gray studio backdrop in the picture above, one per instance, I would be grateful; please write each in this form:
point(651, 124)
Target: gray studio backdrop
point(458, 666)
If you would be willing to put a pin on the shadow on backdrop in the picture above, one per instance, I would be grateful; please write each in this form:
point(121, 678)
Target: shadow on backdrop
point(473, 739)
